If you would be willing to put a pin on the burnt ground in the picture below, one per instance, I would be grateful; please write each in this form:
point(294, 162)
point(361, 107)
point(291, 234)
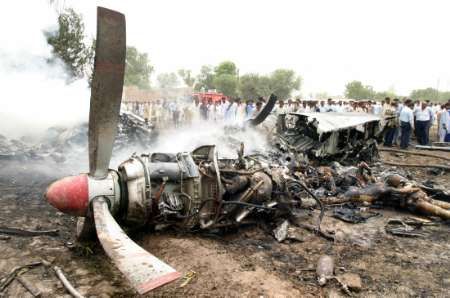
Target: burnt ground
point(248, 262)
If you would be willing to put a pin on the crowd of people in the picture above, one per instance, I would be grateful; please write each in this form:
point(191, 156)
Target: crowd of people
point(401, 118)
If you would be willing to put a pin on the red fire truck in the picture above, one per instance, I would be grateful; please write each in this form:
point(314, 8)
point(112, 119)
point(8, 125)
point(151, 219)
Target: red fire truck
point(210, 95)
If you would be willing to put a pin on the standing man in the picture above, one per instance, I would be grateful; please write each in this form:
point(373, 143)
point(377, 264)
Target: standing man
point(280, 108)
point(444, 123)
point(240, 110)
point(415, 109)
point(387, 103)
point(176, 114)
point(329, 105)
point(302, 108)
point(432, 119)
point(204, 110)
point(249, 109)
point(424, 116)
point(322, 108)
point(377, 108)
point(391, 123)
point(296, 106)
point(257, 109)
point(230, 111)
point(290, 106)
point(406, 120)
point(398, 110)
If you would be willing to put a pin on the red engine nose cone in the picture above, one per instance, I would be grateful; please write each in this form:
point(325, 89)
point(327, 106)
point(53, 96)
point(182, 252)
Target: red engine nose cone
point(70, 195)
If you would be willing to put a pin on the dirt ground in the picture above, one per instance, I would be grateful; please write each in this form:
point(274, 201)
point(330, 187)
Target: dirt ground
point(247, 263)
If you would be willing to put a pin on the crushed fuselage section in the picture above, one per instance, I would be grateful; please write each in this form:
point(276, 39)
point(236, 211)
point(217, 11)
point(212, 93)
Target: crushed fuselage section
point(324, 136)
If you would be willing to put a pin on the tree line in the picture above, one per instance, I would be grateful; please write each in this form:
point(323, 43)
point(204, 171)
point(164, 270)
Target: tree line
point(357, 90)
point(70, 44)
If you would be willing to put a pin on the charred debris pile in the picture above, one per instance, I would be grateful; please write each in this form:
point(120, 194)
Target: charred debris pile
point(324, 161)
point(262, 188)
point(63, 144)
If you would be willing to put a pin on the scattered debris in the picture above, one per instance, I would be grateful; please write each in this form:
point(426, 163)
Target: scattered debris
point(6, 280)
point(61, 144)
point(349, 281)
point(284, 232)
point(353, 214)
point(394, 192)
point(405, 228)
point(187, 278)
point(325, 269)
point(35, 292)
point(31, 233)
point(66, 283)
point(439, 148)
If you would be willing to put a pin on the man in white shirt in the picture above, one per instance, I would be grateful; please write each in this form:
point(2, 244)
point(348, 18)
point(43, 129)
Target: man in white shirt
point(322, 107)
point(280, 108)
point(377, 109)
point(447, 125)
point(406, 120)
point(424, 116)
point(230, 111)
point(444, 122)
point(290, 106)
point(329, 106)
point(304, 108)
point(415, 108)
point(348, 107)
point(341, 107)
point(296, 105)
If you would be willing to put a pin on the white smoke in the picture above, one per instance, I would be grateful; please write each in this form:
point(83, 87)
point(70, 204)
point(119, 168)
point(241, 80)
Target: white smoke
point(227, 140)
point(34, 94)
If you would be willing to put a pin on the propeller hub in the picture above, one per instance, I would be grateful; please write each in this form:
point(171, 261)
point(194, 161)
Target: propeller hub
point(70, 195)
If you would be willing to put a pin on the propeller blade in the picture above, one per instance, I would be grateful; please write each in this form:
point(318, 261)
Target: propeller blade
point(264, 112)
point(144, 271)
point(106, 89)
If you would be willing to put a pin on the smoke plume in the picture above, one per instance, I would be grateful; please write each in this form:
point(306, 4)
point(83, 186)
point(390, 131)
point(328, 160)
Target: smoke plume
point(35, 95)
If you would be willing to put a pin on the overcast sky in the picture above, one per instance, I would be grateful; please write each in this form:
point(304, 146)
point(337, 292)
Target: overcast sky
point(387, 44)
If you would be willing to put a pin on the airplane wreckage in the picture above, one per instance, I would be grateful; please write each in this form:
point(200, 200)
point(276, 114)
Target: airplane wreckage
point(335, 136)
point(199, 191)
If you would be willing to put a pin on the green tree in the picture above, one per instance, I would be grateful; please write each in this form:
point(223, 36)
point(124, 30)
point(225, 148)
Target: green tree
point(444, 96)
point(167, 80)
point(187, 77)
point(283, 82)
point(225, 78)
point(356, 90)
point(249, 85)
point(430, 94)
point(253, 85)
point(205, 80)
point(137, 69)
point(226, 67)
point(68, 44)
point(226, 83)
